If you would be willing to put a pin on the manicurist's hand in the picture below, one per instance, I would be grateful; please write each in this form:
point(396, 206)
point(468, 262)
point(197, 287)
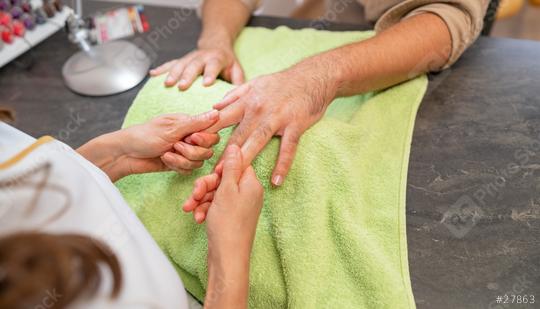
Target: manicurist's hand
point(231, 224)
point(157, 145)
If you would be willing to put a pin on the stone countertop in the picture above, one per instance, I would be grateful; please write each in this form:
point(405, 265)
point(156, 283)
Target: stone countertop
point(473, 197)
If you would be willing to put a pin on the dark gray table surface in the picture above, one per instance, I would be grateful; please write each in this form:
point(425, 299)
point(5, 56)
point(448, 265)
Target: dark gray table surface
point(473, 198)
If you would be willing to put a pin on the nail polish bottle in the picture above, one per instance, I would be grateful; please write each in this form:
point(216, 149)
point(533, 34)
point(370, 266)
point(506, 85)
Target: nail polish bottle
point(18, 28)
point(6, 34)
point(16, 12)
point(5, 5)
point(40, 15)
point(28, 21)
point(48, 9)
point(5, 19)
point(26, 7)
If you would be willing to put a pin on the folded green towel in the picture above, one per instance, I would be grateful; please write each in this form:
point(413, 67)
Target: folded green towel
point(333, 235)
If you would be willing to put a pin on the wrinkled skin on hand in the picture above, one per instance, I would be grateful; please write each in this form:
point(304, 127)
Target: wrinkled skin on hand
point(282, 104)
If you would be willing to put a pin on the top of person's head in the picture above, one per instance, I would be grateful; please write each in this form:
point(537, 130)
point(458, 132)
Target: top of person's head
point(34, 263)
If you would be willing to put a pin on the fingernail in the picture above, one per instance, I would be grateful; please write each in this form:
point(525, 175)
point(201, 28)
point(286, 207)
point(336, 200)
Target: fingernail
point(277, 180)
point(195, 139)
point(169, 80)
point(207, 80)
point(199, 217)
point(183, 82)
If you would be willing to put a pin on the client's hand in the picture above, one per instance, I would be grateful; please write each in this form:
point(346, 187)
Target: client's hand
point(231, 224)
point(202, 195)
point(282, 104)
point(154, 146)
point(209, 61)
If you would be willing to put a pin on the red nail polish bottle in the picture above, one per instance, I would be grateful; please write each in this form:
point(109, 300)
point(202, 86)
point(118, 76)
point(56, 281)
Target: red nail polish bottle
point(6, 34)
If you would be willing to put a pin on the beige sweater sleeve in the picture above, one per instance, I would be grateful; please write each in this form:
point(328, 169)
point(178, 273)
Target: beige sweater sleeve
point(464, 18)
point(252, 4)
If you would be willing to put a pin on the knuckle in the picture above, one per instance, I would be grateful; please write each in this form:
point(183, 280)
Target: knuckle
point(197, 164)
point(167, 124)
point(294, 138)
point(181, 162)
point(189, 153)
point(189, 73)
point(283, 165)
point(178, 162)
point(257, 107)
point(181, 170)
point(263, 132)
point(215, 139)
point(200, 154)
point(240, 132)
point(218, 58)
point(286, 154)
point(208, 153)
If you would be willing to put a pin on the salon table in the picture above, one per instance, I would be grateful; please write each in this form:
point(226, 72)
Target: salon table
point(473, 197)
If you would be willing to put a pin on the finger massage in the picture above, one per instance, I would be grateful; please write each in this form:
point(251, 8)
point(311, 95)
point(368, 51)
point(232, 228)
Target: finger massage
point(266, 165)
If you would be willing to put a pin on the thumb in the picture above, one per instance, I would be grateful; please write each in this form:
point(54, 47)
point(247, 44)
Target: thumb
point(232, 165)
point(197, 123)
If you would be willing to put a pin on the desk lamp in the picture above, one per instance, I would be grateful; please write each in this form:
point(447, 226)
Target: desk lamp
point(105, 69)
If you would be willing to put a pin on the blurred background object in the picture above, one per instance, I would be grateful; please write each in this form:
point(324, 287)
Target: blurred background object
point(112, 66)
point(509, 8)
point(25, 23)
point(518, 19)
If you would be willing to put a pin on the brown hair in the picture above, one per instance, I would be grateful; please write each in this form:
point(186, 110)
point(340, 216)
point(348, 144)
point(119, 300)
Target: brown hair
point(6, 114)
point(51, 270)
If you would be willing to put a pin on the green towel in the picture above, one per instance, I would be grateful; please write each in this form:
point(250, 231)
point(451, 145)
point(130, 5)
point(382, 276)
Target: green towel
point(333, 236)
